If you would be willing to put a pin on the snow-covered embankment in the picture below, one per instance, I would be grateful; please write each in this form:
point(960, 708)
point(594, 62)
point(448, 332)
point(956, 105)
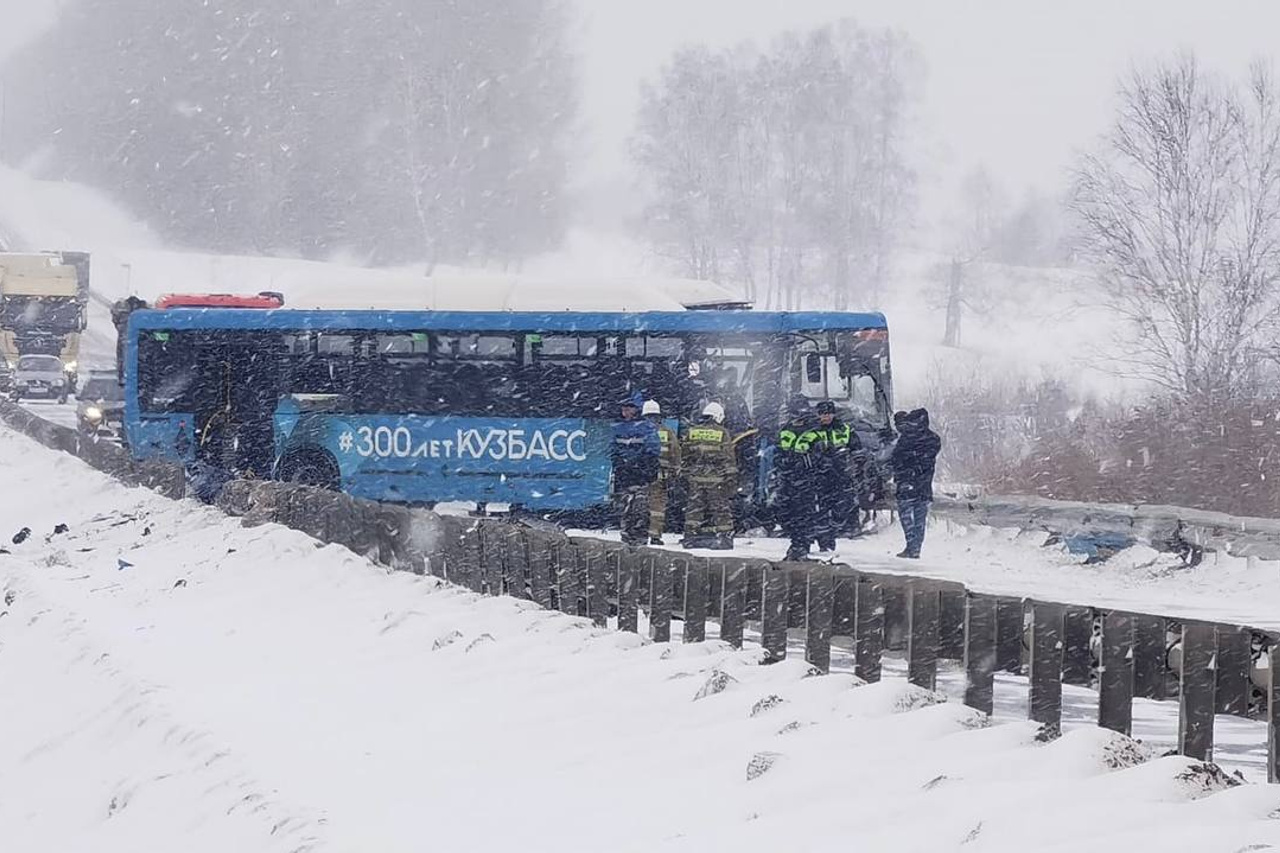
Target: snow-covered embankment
point(172, 681)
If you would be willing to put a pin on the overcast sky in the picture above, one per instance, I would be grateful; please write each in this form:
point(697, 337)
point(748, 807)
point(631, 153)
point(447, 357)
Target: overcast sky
point(1017, 84)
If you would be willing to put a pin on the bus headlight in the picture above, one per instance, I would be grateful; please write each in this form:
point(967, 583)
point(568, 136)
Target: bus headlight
point(93, 414)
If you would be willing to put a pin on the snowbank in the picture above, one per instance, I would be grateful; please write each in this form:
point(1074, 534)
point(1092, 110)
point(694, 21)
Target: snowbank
point(176, 682)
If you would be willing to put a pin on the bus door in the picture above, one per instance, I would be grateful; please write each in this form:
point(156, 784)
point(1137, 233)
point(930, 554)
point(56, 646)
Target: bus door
point(175, 392)
point(239, 430)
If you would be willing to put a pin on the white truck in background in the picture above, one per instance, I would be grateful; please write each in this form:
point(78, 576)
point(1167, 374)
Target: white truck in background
point(44, 298)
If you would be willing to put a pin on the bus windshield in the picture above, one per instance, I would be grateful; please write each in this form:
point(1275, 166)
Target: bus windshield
point(848, 368)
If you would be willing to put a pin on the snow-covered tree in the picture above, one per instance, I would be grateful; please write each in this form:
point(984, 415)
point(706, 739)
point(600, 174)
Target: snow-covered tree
point(398, 130)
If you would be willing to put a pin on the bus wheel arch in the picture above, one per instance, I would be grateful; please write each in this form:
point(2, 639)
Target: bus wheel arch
point(310, 466)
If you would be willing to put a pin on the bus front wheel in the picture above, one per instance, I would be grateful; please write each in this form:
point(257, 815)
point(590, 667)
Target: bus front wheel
point(310, 468)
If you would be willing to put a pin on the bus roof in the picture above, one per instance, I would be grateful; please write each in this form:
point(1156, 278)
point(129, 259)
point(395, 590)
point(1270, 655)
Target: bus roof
point(506, 321)
point(336, 289)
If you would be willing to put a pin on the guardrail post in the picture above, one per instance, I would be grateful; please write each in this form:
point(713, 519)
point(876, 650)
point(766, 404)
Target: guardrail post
point(629, 572)
point(541, 567)
point(1196, 689)
point(1115, 673)
point(980, 652)
point(517, 563)
point(1148, 657)
point(695, 601)
point(1077, 658)
point(797, 593)
point(1272, 710)
point(450, 557)
point(597, 595)
point(1009, 633)
point(661, 597)
point(817, 648)
point(679, 567)
point(1233, 665)
point(1045, 701)
point(868, 629)
point(894, 595)
point(756, 571)
point(773, 613)
point(951, 616)
point(567, 577)
point(844, 603)
point(922, 634)
point(716, 569)
point(734, 602)
point(473, 559)
point(493, 547)
point(490, 560)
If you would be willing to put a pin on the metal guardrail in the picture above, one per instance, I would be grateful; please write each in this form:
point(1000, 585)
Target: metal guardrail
point(1216, 668)
point(166, 478)
point(1212, 668)
point(1166, 528)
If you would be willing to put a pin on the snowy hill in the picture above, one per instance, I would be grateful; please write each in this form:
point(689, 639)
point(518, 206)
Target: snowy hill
point(1034, 321)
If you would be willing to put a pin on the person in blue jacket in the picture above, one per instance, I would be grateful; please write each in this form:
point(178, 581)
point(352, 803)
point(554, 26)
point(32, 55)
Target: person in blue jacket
point(636, 452)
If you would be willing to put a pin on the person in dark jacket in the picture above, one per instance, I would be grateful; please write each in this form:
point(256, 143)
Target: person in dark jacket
point(797, 493)
point(636, 451)
point(913, 461)
point(837, 501)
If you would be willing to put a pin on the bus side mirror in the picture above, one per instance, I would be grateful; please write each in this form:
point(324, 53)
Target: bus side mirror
point(813, 368)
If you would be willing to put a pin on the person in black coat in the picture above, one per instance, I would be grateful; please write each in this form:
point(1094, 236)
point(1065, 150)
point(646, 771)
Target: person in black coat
point(914, 459)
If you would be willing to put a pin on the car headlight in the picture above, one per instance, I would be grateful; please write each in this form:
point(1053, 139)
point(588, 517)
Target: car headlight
point(57, 383)
point(93, 413)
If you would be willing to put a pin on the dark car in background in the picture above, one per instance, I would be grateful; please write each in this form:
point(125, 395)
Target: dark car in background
point(100, 405)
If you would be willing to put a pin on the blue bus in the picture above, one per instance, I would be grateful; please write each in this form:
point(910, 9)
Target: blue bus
point(512, 408)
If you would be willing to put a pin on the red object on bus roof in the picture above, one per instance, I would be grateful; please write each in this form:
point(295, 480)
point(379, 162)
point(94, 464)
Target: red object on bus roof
point(220, 300)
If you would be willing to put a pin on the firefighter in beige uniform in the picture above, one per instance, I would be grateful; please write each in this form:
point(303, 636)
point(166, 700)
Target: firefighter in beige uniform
point(668, 472)
point(711, 469)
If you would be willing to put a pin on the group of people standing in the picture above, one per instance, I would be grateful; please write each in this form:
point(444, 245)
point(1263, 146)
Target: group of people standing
point(650, 460)
point(819, 461)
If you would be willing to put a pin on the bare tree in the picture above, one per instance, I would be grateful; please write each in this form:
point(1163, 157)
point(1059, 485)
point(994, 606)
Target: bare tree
point(783, 170)
point(1180, 210)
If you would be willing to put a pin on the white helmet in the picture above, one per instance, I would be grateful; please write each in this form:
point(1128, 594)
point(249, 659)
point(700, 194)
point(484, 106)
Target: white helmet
point(715, 411)
point(651, 407)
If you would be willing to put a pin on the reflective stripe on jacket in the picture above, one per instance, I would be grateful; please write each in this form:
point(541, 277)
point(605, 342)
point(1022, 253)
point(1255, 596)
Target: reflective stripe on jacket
point(706, 453)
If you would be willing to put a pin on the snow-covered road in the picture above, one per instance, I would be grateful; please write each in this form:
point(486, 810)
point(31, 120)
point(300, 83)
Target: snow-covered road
point(172, 681)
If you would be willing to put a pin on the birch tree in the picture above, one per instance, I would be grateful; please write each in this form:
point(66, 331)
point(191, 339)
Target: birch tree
point(1180, 210)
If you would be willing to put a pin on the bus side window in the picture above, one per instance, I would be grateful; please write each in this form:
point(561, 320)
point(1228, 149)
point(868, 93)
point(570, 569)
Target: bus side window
point(478, 375)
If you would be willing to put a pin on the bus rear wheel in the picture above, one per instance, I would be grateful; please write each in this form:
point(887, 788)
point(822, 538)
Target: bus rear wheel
point(310, 468)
